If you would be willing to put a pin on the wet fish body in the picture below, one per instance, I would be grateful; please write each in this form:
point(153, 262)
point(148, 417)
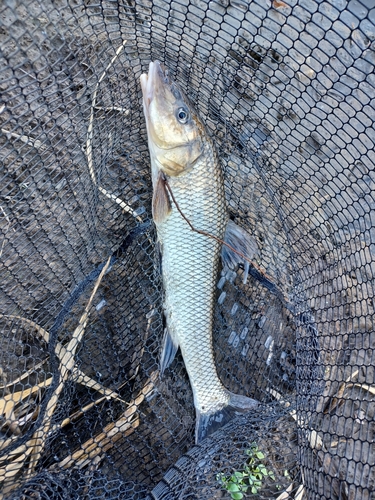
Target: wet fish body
point(183, 155)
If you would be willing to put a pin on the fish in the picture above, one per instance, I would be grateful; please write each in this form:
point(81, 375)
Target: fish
point(188, 192)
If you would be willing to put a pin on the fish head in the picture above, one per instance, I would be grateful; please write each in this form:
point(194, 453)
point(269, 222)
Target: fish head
point(175, 134)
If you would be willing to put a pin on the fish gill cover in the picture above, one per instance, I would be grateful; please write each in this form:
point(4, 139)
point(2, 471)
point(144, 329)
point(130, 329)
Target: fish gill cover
point(286, 91)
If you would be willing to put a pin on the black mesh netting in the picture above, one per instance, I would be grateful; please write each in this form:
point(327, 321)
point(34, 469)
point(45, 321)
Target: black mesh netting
point(286, 89)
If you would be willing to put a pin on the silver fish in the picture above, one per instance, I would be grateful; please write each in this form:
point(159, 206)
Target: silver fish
point(184, 160)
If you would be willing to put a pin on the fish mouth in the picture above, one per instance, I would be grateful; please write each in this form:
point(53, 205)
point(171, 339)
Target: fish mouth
point(154, 83)
point(159, 97)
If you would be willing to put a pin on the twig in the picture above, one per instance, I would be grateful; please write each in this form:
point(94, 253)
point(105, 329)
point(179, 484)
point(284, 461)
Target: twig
point(315, 440)
point(337, 397)
point(111, 433)
point(33, 448)
point(139, 354)
point(24, 375)
point(10, 400)
point(75, 416)
point(61, 351)
point(6, 231)
point(89, 140)
point(114, 108)
point(300, 492)
point(7, 218)
point(85, 380)
point(67, 364)
point(364, 387)
point(285, 494)
point(25, 139)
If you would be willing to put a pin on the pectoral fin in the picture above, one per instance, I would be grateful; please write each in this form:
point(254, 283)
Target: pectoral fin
point(168, 351)
point(161, 205)
point(240, 241)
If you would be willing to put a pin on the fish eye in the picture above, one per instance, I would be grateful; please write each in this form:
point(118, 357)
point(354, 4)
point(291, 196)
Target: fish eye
point(182, 115)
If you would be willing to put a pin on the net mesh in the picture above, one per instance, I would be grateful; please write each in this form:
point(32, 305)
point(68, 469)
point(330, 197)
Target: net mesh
point(286, 89)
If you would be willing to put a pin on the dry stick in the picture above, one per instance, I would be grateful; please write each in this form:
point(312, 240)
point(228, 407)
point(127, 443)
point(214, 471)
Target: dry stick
point(76, 415)
point(6, 231)
point(7, 218)
point(35, 143)
point(336, 398)
point(67, 364)
point(9, 402)
point(315, 440)
point(35, 445)
point(107, 393)
point(24, 375)
point(300, 492)
point(76, 375)
point(86, 408)
point(111, 433)
point(89, 140)
point(89, 475)
point(285, 494)
point(114, 108)
point(209, 235)
point(139, 354)
point(364, 387)
point(85, 380)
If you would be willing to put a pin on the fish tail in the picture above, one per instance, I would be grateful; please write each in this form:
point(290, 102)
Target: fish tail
point(209, 422)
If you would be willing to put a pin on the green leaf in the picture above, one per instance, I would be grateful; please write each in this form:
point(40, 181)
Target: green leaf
point(236, 496)
point(233, 487)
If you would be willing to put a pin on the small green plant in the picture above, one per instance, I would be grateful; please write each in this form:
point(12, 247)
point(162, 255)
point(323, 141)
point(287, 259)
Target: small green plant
point(250, 477)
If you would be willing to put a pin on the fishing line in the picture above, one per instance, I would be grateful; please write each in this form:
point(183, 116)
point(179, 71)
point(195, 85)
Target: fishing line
point(257, 272)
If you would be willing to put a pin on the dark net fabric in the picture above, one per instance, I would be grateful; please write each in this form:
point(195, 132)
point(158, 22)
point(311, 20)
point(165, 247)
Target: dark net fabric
point(287, 91)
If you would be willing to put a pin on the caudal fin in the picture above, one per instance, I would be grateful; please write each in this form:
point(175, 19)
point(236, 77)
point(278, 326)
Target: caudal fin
point(209, 422)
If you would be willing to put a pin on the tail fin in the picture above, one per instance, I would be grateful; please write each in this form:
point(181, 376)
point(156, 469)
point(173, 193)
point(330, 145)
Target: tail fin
point(209, 422)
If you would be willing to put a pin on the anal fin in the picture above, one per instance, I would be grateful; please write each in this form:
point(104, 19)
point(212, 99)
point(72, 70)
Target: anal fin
point(242, 245)
point(168, 351)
